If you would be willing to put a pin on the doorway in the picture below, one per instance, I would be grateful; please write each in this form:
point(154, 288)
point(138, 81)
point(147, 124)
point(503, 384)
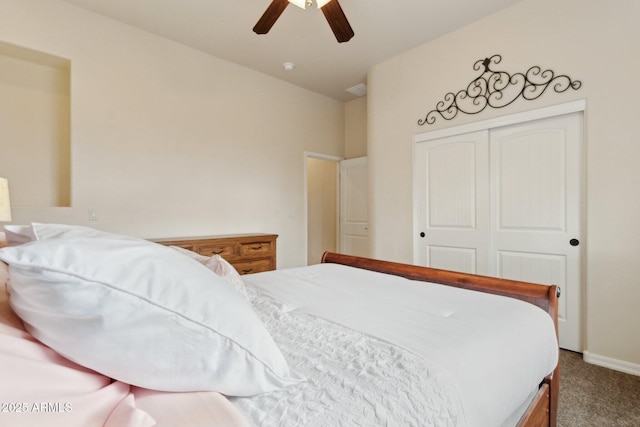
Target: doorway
point(336, 204)
point(321, 202)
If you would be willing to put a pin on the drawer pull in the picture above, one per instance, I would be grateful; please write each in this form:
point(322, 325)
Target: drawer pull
point(256, 248)
point(217, 252)
point(246, 271)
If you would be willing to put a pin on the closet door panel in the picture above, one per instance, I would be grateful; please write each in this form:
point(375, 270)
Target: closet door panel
point(536, 198)
point(531, 181)
point(452, 185)
point(452, 207)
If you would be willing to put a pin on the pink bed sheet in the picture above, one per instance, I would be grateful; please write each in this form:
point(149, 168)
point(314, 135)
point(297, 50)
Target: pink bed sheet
point(38, 387)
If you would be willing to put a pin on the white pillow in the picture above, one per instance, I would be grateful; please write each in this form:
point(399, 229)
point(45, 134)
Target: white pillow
point(18, 234)
point(202, 259)
point(224, 269)
point(218, 265)
point(141, 313)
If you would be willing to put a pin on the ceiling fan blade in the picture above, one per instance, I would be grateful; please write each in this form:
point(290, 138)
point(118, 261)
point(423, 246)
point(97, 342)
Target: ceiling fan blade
point(337, 21)
point(270, 16)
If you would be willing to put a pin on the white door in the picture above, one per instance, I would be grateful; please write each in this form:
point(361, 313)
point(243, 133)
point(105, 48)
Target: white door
point(453, 203)
point(354, 212)
point(506, 202)
point(536, 225)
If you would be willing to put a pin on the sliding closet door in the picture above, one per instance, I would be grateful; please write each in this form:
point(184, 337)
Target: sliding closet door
point(506, 202)
point(536, 224)
point(452, 204)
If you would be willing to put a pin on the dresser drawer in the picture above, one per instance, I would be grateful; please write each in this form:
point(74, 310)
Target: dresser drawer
point(249, 267)
point(256, 248)
point(226, 251)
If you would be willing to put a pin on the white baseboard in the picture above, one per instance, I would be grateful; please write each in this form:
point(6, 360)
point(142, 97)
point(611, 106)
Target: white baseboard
point(615, 364)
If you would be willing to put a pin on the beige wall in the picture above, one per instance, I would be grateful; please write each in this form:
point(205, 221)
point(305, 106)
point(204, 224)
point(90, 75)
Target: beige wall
point(593, 41)
point(169, 141)
point(355, 135)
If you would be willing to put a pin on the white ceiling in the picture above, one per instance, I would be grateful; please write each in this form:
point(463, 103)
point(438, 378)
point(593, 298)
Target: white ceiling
point(383, 29)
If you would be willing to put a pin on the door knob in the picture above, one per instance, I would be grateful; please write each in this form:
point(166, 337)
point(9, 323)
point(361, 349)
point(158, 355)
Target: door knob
point(574, 242)
point(422, 234)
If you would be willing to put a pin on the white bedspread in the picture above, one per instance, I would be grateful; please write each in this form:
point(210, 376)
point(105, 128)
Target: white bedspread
point(352, 379)
point(494, 350)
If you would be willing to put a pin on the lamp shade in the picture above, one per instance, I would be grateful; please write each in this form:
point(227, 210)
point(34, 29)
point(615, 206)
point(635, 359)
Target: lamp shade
point(302, 4)
point(5, 205)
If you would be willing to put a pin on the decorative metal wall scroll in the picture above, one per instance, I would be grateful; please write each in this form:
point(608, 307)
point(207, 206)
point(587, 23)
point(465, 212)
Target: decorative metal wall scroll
point(497, 89)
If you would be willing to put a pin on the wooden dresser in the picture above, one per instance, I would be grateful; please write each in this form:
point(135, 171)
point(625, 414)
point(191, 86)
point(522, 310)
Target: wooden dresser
point(248, 253)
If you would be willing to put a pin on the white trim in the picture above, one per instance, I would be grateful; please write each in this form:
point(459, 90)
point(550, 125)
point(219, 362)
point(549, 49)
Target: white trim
point(608, 362)
point(322, 156)
point(540, 113)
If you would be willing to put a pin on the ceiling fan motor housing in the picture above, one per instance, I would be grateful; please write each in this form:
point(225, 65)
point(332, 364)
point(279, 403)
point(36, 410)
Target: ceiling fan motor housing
point(330, 8)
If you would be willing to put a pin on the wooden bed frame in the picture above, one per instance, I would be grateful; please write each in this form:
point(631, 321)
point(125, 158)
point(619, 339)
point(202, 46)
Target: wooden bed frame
point(543, 409)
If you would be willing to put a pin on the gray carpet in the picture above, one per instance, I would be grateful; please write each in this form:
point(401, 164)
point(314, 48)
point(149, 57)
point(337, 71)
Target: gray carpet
point(591, 395)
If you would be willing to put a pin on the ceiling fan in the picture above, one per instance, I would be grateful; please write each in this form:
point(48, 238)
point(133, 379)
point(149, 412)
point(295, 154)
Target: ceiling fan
point(331, 9)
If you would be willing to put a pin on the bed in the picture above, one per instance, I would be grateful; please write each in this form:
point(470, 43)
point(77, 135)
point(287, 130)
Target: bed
point(345, 338)
point(542, 410)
